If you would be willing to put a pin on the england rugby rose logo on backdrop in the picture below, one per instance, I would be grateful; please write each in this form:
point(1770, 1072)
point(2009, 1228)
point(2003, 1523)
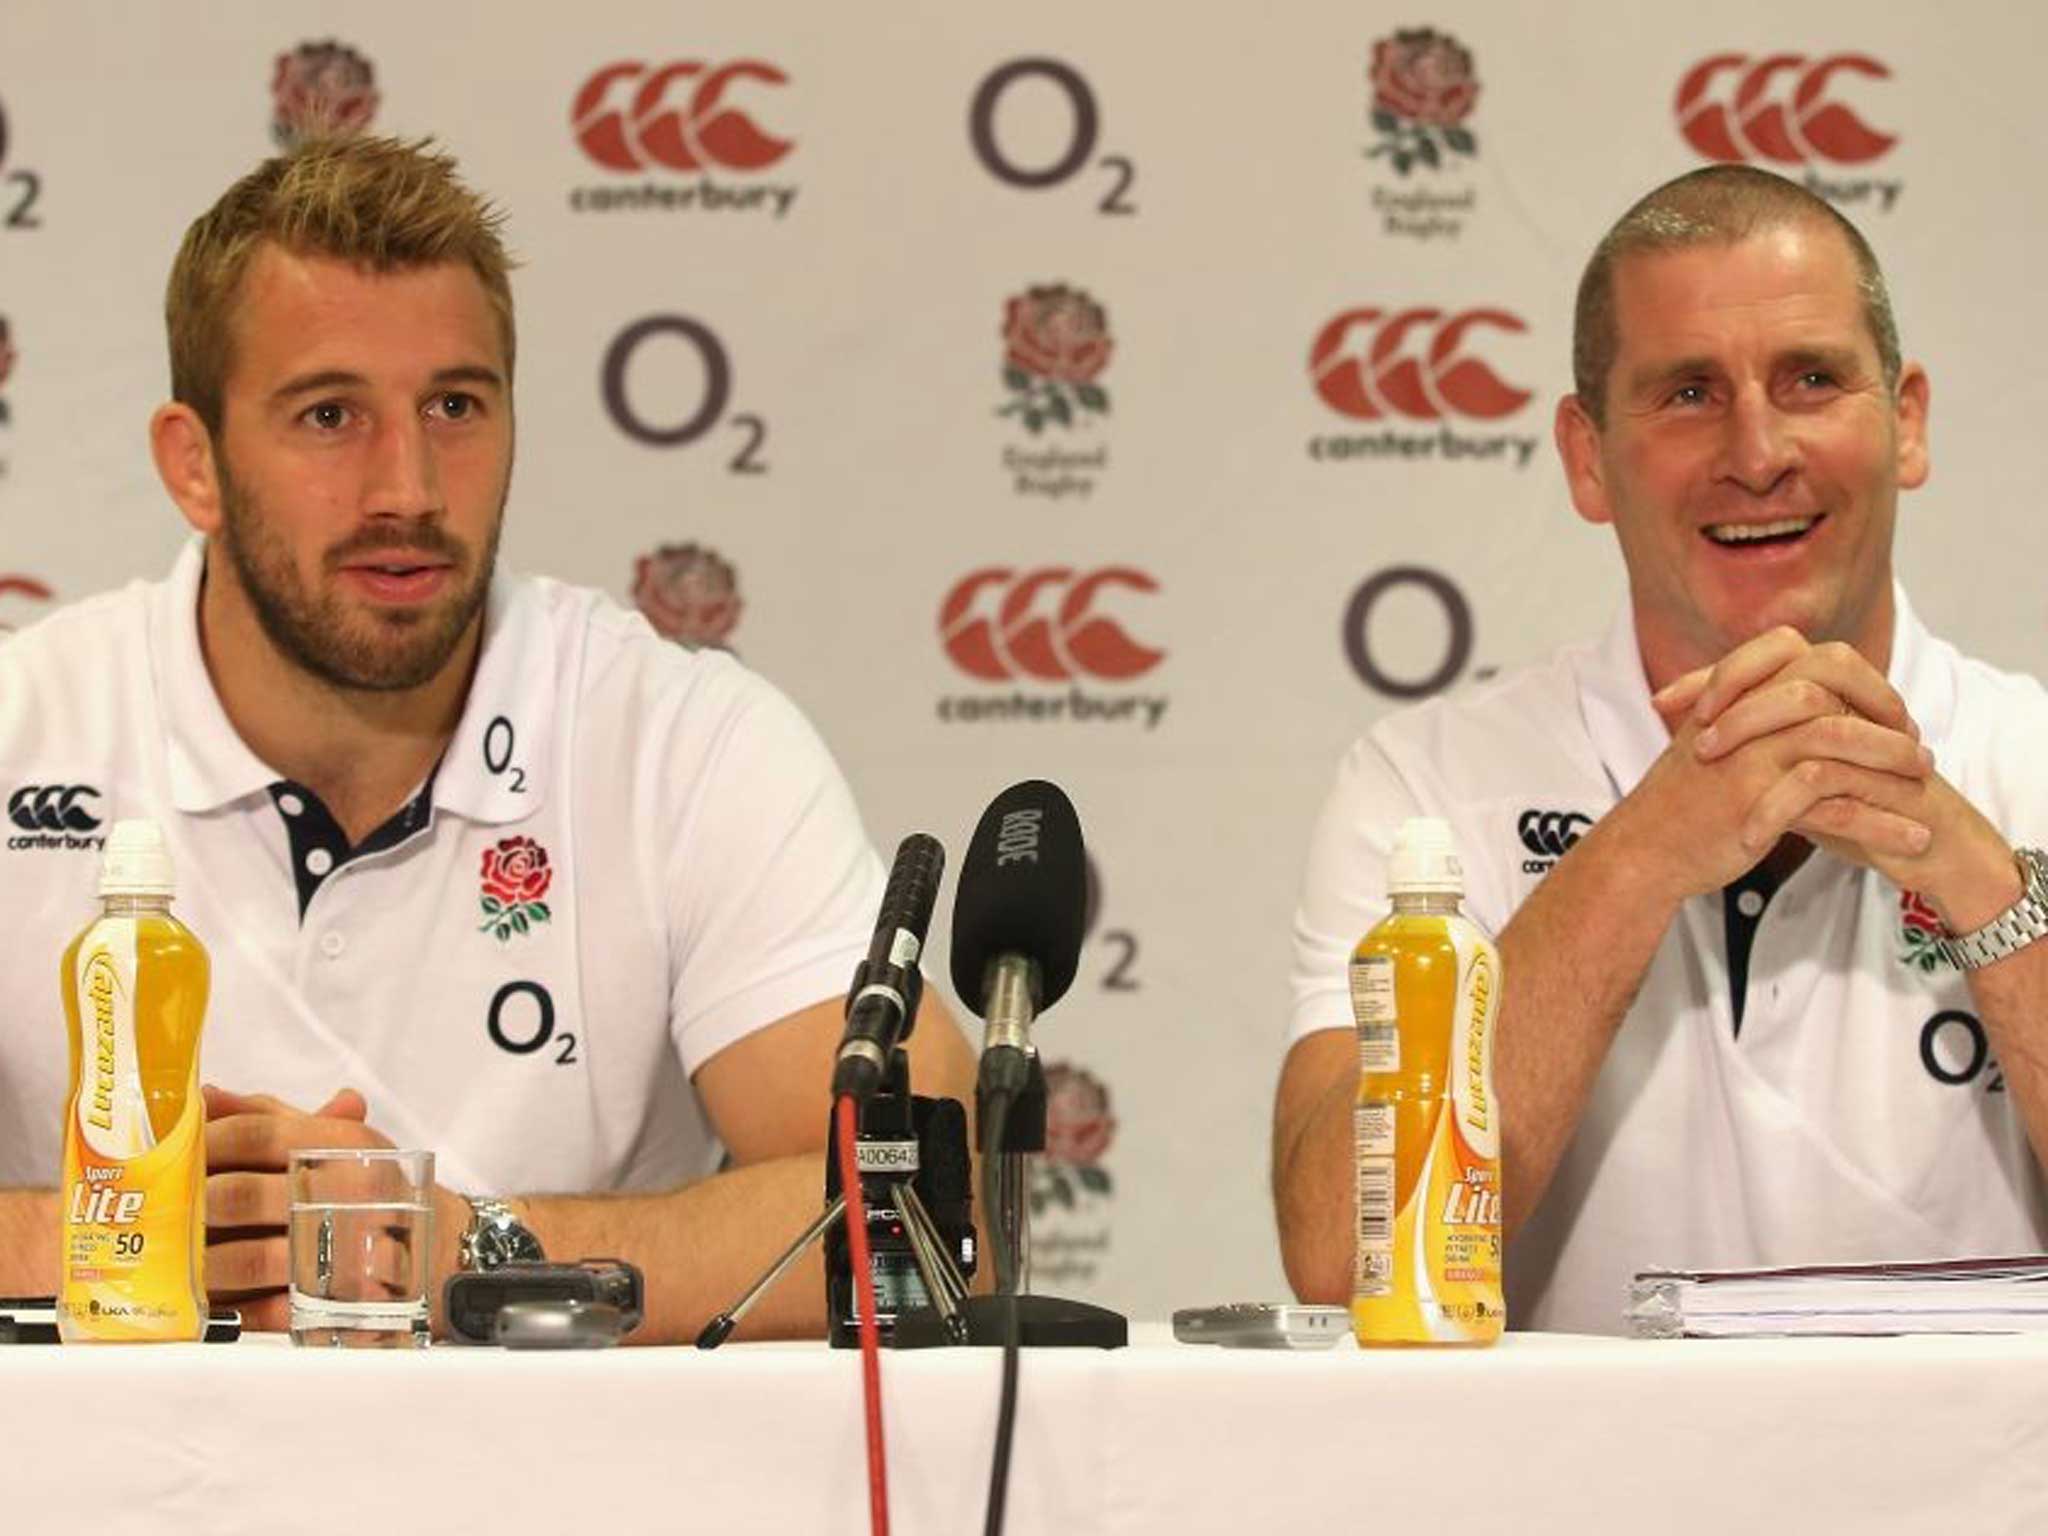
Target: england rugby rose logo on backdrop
point(1920, 932)
point(1423, 89)
point(320, 90)
point(1078, 1131)
point(1056, 343)
point(515, 877)
point(688, 593)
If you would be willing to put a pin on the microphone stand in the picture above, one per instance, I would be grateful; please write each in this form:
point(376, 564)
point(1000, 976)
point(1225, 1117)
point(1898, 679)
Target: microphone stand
point(935, 1266)
point(1043, 1322)
point(1023, 1135)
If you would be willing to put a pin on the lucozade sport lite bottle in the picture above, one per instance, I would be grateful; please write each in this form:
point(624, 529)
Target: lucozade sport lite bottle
point(134, 1190)
point(1425, 984)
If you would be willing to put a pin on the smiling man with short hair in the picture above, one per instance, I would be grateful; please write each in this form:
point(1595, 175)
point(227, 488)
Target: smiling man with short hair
point(1715, 1041)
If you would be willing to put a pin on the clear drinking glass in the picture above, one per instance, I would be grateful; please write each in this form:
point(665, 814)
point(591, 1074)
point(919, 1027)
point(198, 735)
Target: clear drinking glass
point(361, 1239)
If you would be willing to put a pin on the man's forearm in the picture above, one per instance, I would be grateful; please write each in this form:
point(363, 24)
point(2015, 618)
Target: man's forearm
point(28, 1242)
point(1313, 1191)
point(1572, 959)
point(701, 1246)
point(2012, 999)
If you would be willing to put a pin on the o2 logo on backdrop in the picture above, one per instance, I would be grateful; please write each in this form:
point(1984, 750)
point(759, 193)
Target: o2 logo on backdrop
point(1781, 108)
point(319, 90)
point(638, 119)
point(680, 418)
point(19, 188)
point(1365, 640)
point(1424, 364)
point(1121, 976)
point(1083, 129)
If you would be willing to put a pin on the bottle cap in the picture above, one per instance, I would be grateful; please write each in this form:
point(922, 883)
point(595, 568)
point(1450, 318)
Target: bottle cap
point(135, 861)
point(1425, 859)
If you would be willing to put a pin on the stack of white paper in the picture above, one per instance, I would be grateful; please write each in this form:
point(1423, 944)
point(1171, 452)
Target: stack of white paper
point(1954, 1296)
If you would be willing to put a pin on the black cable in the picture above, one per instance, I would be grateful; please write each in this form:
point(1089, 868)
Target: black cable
point(998, 1109)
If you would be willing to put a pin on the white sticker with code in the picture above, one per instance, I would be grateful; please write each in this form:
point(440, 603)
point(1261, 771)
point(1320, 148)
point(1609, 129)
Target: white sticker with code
point(1372, 1006)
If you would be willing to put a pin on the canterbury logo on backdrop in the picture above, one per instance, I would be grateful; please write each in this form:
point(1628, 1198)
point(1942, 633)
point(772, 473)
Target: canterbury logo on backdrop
point(1736, 107)
point(1018, 641)
point(1397, 371)
point(648, 130)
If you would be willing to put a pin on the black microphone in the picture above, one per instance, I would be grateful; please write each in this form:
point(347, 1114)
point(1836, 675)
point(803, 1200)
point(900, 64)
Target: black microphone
point(1017, 921)
point(881, 1005)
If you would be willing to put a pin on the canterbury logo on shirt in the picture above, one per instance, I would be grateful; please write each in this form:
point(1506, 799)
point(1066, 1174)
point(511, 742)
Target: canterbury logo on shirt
point(1549, 835)
point(53, 808)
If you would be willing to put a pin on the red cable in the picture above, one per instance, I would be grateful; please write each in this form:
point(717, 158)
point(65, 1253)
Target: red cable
point(870, 1339)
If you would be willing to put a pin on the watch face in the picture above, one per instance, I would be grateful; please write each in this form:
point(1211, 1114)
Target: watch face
point(506, 1243)
point(495, 1237)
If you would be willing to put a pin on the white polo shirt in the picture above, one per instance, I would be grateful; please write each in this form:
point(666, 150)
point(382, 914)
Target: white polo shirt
point(705, 874)
point(1855, 1115)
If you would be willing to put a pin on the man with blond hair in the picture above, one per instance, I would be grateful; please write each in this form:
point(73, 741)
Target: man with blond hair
point(484, 865)
point(1756, 860)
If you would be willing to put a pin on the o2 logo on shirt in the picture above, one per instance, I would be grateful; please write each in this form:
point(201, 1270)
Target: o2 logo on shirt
point(1955, 1050)
point(521, 1022)
point(501, 740)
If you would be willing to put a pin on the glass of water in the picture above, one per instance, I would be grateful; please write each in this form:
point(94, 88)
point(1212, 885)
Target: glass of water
point(361, 1239)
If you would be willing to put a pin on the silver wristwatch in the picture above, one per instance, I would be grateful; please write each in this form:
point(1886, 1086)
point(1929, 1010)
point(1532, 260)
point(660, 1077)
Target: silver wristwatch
point(495, 1237)
point(2013, 929)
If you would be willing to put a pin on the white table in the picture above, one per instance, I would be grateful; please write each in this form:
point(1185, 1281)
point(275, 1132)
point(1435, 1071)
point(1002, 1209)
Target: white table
point(1539, 1434)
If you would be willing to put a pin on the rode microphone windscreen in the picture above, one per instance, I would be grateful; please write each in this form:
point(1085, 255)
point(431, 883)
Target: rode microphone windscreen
point(1023, 891)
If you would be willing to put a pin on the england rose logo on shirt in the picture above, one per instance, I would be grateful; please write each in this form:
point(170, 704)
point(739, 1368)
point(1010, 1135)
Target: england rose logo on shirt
point(515, 877)
point(1920, 932)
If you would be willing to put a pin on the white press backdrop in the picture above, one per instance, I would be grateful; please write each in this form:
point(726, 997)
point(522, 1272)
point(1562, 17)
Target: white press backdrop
point(852, 289)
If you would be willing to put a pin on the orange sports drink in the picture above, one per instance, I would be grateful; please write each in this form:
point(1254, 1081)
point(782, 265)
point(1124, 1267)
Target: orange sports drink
point(1425, 985)
point(134, 1190)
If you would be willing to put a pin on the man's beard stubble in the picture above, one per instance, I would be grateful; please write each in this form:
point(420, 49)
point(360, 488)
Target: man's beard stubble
point(374, 653)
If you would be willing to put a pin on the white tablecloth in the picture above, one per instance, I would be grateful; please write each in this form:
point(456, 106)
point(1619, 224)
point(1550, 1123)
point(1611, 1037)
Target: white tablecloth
point(1539, 1434)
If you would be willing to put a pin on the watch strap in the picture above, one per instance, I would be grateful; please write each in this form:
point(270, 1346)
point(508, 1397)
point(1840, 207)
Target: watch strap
point(2013, 929)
